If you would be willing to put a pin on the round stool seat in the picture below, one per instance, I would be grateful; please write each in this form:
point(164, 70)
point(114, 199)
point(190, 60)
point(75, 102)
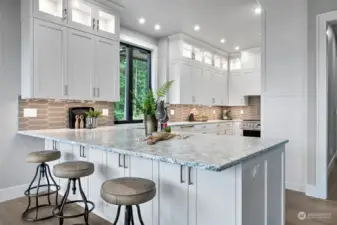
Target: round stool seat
point(43, 156)
point(128, 191)
point(73, 169)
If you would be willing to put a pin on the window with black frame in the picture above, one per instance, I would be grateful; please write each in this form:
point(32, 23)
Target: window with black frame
point(135, 81)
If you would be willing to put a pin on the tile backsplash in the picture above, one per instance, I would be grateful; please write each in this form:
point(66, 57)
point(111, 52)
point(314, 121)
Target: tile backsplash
point(52, 114)
point(250, 112)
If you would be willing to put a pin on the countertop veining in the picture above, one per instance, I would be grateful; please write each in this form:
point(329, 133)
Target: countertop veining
point(205, 151)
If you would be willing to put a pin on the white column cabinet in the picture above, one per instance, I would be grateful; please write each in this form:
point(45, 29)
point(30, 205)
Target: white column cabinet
point(49, 60)
point(49, 10)
point(106, 70)
point(173, 194)
point(236, 92)
point(80, 65)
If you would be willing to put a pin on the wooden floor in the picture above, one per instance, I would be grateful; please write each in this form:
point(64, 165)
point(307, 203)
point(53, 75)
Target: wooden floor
point(317, 212)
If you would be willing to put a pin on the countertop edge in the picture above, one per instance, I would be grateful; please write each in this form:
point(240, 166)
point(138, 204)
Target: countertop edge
point(210, 167)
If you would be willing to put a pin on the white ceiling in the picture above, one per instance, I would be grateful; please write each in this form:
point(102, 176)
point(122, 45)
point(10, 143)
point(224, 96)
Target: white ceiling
point(233, 20)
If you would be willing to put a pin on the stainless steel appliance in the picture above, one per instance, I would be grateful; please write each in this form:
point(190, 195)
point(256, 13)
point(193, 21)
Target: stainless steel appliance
point(251, 128)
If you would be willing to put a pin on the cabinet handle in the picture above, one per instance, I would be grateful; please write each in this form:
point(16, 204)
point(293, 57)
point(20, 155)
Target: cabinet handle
point(94, 92)
point(80, 151)
point(84, 156)
point(97, 25)
point(97, 92)
point(66, 90)
point(65, 14)
point(189, 176)
point(124, 161)
point(181, 175)
point(93, 23)
point(119, 160)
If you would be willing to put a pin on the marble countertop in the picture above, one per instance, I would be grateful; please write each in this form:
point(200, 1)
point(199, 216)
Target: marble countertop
point(205, 151)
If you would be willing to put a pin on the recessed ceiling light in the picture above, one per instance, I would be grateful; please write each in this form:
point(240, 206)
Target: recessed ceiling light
point(157, 27)
point(237, 48)
point(222, 40)
point(258, 10)
point(196, 27)
point(141, 20)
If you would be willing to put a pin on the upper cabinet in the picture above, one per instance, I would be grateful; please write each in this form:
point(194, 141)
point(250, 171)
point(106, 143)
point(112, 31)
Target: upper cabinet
point(251, 60)
point(70, 50)
point(50, 10)
point(82, 15)
point(200, 75)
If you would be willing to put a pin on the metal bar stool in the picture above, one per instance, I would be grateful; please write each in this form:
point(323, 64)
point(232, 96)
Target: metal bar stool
point(73, 171)
point(128, 192)
point(42, 171)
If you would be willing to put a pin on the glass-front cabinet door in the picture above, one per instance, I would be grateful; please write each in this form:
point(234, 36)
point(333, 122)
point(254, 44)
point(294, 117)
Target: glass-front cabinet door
point(106, 24)
point(51, 10)
point(81, 15)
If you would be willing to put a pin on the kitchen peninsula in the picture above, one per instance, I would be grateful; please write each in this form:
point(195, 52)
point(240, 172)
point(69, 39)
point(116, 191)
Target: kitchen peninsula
point(204, 179)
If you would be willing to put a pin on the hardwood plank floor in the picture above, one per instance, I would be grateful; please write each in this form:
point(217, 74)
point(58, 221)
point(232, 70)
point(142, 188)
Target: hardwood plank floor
point(318, 212)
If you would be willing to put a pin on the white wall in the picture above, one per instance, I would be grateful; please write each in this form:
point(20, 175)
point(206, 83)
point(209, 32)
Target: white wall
point(283, 107)
point(314, 8)
point(14, 171)
point(332, 93)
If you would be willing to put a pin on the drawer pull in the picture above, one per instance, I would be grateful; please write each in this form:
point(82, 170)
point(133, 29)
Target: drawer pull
point(187, 126)
point(119, 160)
point(124, 160)
point(189, 176)
point(181, 175)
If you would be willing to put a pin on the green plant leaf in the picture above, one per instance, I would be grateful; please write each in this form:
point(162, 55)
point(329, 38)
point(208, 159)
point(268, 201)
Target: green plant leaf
point(163, 89)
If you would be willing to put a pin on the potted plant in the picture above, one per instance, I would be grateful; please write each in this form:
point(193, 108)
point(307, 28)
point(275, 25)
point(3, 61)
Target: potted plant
point(149, 105)
point(91, 119)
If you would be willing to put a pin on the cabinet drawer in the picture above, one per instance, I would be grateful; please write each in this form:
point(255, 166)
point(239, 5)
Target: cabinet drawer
point(200, 127)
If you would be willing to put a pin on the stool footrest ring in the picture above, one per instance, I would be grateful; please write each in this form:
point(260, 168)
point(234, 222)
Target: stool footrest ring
point(56, 214)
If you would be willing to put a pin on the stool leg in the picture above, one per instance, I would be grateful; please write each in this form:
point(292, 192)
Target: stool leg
point(30, 186)
point(48, 183)
point(37, 192)
point(63, 202)
point(54, 182)
point(117, 216)
point(127, 216)
point(131, 216)
point(86, 208)
point(139, 215)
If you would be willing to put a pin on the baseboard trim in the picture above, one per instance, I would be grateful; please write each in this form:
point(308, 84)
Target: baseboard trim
point(12, 192)
point(294, 186)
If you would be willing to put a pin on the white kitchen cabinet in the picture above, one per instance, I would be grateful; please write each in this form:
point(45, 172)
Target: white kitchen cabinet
point(187, 85)
point(107, 24)
point(67, 154)
point(80, 65)
point(173, 194)
point(210, 208)
point(98, 158)
point(143, 168)
point(49, 10)
point(81, 15)
point(43, 67)
point(252, 83)
point(236, 91)
point(114, 169)
point(237, 129)
point(251, 60)
point(220, 89)
point(106, 70)
point(52, 146)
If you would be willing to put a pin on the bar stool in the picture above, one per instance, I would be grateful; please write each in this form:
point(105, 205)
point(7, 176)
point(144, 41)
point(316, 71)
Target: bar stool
point(128, 191)
point(73, 171)
point(43, 171)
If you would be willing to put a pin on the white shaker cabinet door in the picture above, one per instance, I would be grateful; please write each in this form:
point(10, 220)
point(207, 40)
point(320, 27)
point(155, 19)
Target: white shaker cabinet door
point(107, 24)
point(81, 15)
point(106, 70)
point(173, 194)
point(49, 60)
point(80, 65)
point(215, 197)
point(50, 10)
point(143, 168)
point(98, 158)
point(52, 146)
point(114, 169)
